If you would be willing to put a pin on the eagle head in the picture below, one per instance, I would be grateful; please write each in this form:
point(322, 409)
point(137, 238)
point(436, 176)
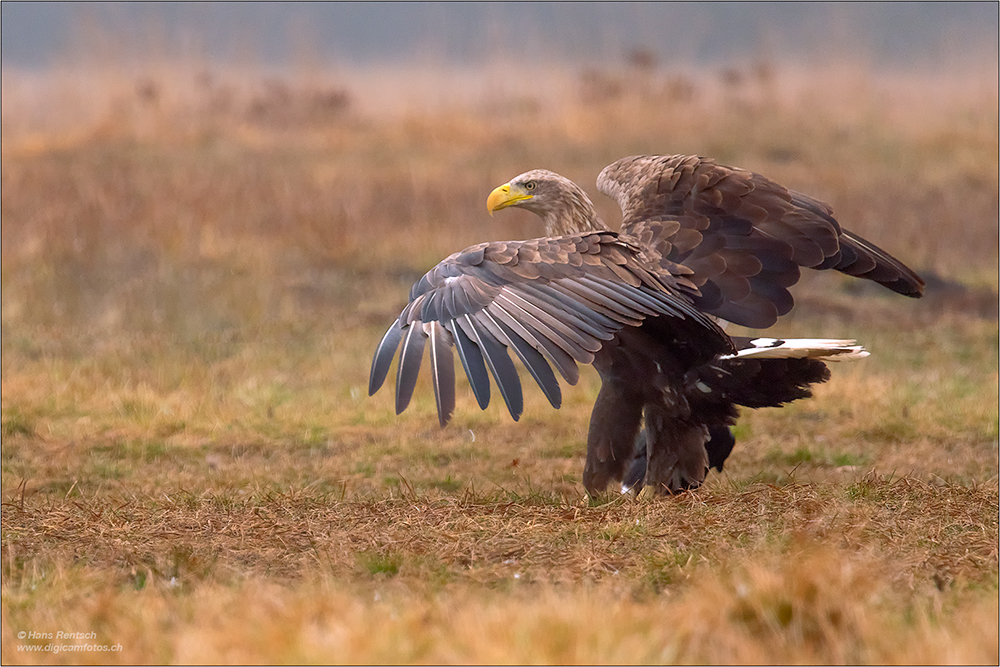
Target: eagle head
point(561, 204)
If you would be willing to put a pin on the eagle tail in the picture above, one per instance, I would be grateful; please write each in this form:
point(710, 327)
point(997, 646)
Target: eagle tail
point(823, 349)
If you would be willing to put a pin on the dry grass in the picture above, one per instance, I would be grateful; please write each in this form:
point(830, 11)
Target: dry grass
point(890, 570)
point(196, 266)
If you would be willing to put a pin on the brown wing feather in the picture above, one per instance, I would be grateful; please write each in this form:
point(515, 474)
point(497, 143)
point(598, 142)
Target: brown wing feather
point(555, 300)
point(743, 236)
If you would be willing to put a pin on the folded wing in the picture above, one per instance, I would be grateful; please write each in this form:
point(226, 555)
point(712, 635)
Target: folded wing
point(742, 236)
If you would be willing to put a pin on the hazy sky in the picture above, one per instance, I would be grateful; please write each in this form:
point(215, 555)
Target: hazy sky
point(896, 33)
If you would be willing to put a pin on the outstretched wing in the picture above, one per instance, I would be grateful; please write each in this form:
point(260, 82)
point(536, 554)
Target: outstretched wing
point(743, 236)
point(555, 300)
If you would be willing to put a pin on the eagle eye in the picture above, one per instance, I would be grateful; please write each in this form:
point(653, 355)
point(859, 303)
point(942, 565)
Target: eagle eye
point(530, 185)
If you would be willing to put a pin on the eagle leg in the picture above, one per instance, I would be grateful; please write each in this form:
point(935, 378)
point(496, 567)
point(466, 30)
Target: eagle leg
point(676, 456)
point(614, 425)
point(720, 444)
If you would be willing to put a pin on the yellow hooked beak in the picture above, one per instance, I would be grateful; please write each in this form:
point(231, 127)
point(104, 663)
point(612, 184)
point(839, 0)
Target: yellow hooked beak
point(504, 196)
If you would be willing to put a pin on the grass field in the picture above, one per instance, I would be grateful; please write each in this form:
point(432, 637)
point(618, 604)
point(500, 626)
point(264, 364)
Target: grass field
point(197, 266)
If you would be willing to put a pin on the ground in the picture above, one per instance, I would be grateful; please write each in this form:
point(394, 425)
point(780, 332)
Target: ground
point(192, 470)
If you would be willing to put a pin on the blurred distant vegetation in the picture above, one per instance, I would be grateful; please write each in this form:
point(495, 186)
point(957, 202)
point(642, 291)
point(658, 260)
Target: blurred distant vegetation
point(120, 177)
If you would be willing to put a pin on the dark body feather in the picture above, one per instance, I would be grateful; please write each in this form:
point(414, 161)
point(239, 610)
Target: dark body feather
point(698, 241)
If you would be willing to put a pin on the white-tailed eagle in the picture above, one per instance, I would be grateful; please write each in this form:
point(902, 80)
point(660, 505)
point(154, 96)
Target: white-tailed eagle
point(699, 242)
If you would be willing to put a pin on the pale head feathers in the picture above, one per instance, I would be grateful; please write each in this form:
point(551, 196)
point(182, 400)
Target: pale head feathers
point(562, 205)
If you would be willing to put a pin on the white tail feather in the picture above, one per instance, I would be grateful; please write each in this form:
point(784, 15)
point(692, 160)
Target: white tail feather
point(801, 348)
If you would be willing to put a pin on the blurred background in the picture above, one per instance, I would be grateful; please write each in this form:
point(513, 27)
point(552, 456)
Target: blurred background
point(910, 34)
point(198, 167)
